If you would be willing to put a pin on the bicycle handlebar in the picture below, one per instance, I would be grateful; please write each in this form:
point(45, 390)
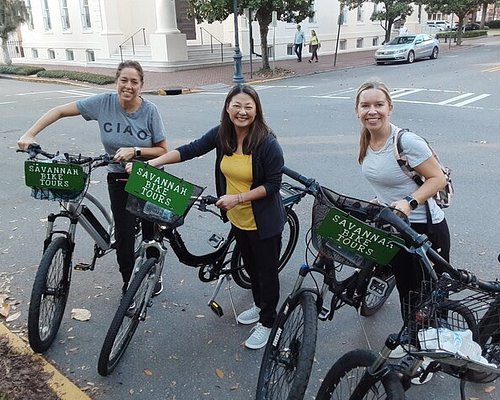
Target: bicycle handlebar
point(309, 183)
point(35, 149)
point(421, 241)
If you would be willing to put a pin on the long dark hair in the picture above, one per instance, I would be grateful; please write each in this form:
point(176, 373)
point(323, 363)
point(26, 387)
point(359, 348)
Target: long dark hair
point(130, 64)
point(364, 138)
point(258, 130)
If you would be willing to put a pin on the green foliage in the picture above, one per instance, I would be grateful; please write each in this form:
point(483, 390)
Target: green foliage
point(20, 69)
point(466, 34)
point(493, 24)
point(78, 76)
point(391, 11)
point(219, 10)
point(12, 14)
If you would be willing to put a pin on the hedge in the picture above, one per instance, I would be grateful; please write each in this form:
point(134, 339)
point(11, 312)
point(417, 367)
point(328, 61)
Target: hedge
point(495, 24)
point(20, 70)
point(466, 34)
point(77, 76)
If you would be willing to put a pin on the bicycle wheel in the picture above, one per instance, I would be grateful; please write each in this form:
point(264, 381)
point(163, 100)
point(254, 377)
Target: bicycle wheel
point(49, 294)
point(127, 318)
point(373, 302)
point(345, 376)
point(289, 354)
point(290, 236)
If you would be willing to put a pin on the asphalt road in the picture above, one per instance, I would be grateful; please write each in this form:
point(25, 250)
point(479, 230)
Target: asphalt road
point(183, 351)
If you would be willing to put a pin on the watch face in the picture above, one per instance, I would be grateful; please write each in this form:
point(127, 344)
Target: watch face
point(413, 204)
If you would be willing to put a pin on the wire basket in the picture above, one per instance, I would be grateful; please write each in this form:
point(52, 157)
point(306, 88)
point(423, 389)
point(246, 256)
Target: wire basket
point(159, 215)
point(362, 210)
point(457, 325)
point(63, 195)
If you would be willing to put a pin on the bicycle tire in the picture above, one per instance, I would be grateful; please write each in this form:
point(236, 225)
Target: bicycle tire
point(489, 339)
point(289, 354)
point(49, 294)
point(290, 234)
point(126, 319)
point(371, 303)
point(345, 374)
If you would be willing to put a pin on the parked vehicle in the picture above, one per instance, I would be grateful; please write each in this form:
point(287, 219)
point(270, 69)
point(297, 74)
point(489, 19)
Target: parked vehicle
point(439, 24)
point(469, 26)
point(408, 48)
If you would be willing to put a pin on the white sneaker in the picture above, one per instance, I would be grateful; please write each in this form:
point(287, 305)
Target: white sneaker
point(423, 367)
point(250, 316)
point(258, 338)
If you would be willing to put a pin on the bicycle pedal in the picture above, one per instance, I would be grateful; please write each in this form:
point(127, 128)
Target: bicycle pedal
point(324, 313)
point(216, 308)
point(82, 266)
point(377, 286)
point(150, 303)
point(216, 240)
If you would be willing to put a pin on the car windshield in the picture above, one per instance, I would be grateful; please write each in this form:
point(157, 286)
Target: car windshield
point(402, 40)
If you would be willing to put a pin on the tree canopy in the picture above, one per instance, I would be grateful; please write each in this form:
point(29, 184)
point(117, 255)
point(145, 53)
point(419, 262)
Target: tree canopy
point(391, 11)
point(12, 14)
point(219, 10)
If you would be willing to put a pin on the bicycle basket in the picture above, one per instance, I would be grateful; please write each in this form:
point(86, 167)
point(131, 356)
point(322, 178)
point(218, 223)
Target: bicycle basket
point(346, 230)
point(158, 196)
point(57, 180)
point(457, 325)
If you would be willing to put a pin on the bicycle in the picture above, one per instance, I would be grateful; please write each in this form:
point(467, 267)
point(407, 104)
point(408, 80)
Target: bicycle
point(224, 263)
point(456, 305)
point(64, 178)
point(289, 353)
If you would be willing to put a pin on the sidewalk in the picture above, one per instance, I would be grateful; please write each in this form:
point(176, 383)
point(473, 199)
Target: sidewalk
point(178, 82)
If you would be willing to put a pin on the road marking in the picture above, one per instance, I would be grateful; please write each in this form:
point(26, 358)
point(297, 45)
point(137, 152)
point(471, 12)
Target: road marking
point(6, 102)
point(476, 98)
point(492, 69)
point(462, 96)
point(405, 92)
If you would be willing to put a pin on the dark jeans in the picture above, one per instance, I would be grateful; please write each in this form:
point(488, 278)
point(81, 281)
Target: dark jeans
point(407, 270)
point(298, 51)
point(261, 258)
point(314, 50)
point(124, 224)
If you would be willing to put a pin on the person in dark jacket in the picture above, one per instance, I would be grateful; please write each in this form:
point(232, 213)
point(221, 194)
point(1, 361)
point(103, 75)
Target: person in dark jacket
point(248, 172)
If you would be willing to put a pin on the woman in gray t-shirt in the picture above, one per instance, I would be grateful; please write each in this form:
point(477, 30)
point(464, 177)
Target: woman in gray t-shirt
point(130, 127)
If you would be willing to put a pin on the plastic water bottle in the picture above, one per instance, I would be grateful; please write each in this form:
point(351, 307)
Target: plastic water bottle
point(158, 212)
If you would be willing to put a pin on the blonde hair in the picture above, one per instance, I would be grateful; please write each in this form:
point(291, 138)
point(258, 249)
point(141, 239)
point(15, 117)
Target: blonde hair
point(364, 138)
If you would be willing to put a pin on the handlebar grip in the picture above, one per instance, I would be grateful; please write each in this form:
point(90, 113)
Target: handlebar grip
point(298, 177)
point(401, 226)
point(209, 199)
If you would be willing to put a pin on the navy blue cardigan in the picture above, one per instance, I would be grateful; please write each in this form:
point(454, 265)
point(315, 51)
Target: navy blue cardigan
point(267, 165)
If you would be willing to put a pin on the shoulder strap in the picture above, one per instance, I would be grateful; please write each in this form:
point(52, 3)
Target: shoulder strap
point(402, 160)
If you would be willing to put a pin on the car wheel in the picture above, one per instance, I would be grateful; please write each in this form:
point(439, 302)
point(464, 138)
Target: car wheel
point(411, 57)
point(435, 53)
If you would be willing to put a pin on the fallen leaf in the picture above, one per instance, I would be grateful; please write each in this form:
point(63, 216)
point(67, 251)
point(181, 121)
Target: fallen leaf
point(80, 314)
point(13, 317)
point(5, 309)
point(148, 372)
point(200, 316)
point(489, 389)
point(235, 387)
point(219, 373)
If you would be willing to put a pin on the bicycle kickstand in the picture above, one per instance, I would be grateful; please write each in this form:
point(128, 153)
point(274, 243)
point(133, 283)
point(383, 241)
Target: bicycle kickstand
point(214, 305)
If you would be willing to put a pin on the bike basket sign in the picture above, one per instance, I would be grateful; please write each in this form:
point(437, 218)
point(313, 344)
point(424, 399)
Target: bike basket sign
point(49, 175)
point(160, 188)
point(358, 237)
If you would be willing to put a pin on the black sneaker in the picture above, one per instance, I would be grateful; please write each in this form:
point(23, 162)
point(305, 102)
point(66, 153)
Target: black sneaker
point(158, 287)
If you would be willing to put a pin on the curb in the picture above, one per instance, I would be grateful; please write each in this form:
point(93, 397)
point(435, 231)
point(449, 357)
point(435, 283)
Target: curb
point(62, 386)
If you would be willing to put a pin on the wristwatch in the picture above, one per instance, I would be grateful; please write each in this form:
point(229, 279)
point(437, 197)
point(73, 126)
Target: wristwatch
point(412, 201)
point(137, 151)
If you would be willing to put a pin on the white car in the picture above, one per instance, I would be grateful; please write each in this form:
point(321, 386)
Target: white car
point(439, 24)
point(408, 48)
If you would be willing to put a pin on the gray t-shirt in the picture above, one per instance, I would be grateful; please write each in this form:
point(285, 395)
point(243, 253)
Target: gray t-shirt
point(389, 181)
point(142, 128)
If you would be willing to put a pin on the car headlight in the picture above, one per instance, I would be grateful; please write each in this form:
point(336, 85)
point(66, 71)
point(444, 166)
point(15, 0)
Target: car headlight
point(401, 50)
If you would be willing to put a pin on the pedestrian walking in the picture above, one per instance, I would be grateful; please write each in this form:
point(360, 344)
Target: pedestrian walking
point(314, 46)
point(298, 42)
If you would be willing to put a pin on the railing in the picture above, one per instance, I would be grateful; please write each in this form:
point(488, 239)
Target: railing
point(15, 48)
point(212, 37)
point(131, 38)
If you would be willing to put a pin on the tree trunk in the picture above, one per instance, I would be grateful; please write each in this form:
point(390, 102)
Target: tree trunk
point(5, 51)
point(483, 14)
point(264, 29)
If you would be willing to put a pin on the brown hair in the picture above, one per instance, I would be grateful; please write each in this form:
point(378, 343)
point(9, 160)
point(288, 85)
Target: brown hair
point(130, 64)
point(364, 138)
point(258, 130)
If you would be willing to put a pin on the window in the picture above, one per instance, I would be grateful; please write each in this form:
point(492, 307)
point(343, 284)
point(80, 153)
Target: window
point(359, 43)
point(30, 14)
point(34, 53)
point(375, 41)
point(63, 5)
point(359, 17)
point(52, 54)
point(345, 13)
point(70, 55)
point(90, 55)
point(85, 13)
point(46, 15)
point(343, 44)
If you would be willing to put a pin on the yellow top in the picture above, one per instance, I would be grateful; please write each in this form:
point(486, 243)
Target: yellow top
point(238, 172)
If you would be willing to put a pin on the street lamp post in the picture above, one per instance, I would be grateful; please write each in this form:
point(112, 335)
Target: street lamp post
point(237, 77)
